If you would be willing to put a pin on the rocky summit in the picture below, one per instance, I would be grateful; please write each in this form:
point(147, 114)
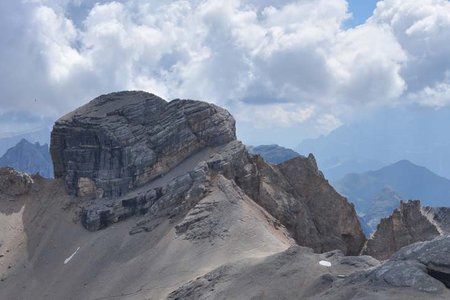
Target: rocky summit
point(120, 141)
point(159, 200)
point(135, 153)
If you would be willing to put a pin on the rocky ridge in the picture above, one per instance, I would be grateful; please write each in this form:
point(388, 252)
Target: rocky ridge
point(219, 224)
point(408, 224)
point(134, 153)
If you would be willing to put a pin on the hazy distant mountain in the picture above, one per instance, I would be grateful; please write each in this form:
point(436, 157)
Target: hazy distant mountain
point(274, 154)
point(42, 136)
point(376, 193)
point(29, 157)
point(380, 207)
point(335, 168)
point(417, 134)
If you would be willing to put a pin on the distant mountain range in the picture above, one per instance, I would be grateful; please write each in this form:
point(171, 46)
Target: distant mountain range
point(379, 207)
point(41, 135)
point(376, 193)
point(273, 154)
point(29, 157)
point(416, 134)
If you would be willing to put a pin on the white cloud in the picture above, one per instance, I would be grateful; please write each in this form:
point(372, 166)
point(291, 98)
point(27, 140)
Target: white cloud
point(422, 29)
point(436, 96)
point(56, 36)
point(273, 63)
point(282, 115)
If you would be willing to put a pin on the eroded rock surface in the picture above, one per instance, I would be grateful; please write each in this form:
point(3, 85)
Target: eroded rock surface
point(123, 140)
point(133, 153)
point(14, 183)
point(408, 224)
point(418, 271)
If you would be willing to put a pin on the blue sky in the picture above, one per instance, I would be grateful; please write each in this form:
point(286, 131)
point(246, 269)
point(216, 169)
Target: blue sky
point(286, 69)
point(361, 10)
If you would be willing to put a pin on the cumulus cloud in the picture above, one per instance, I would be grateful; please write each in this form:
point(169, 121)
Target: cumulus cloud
point(422, 28)
point(272, 63)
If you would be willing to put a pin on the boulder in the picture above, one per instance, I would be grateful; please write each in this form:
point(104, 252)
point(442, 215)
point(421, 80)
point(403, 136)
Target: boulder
point(14, 183)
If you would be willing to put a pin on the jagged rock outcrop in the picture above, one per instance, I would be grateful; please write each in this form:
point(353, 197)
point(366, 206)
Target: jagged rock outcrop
point(123, 140)
point(408, 224)
point(142, 155)
point(299, 196)
point(30, 158)
point(14, 183)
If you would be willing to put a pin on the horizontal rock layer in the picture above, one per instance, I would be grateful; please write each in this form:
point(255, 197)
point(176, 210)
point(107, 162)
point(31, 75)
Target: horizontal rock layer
point(123, 140)
point(295, 193)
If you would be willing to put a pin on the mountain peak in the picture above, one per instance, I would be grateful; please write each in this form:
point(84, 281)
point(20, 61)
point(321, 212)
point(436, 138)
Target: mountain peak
point(150, 136)
point(274, 153)
point(28, 157)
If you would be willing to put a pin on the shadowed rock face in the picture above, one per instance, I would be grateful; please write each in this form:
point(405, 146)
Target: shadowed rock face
point(123, 140)
point(298, 195)
point(408, 224)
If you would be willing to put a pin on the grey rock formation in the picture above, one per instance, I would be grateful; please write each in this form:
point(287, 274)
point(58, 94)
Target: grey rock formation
point(285, 191)
point(298, 195)
point(286, 275)
point(30, 158)
point(14, 183)
point(420, 270)
point(120, 141)
point(274, 154)
point(408, 224)
point(209, 219)
point(133, 153)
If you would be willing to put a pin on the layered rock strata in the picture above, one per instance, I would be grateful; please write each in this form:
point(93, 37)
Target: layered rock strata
point(164, 165)
point(120, 141)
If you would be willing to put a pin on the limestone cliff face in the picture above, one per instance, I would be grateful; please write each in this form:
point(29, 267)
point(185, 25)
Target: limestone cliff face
point(298, 195)
point(120, 141)
point(135, 154)
point(408, 224)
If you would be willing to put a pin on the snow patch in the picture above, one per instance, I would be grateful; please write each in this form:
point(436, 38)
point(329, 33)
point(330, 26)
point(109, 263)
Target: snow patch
point(70, 257)
point(325, 263)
